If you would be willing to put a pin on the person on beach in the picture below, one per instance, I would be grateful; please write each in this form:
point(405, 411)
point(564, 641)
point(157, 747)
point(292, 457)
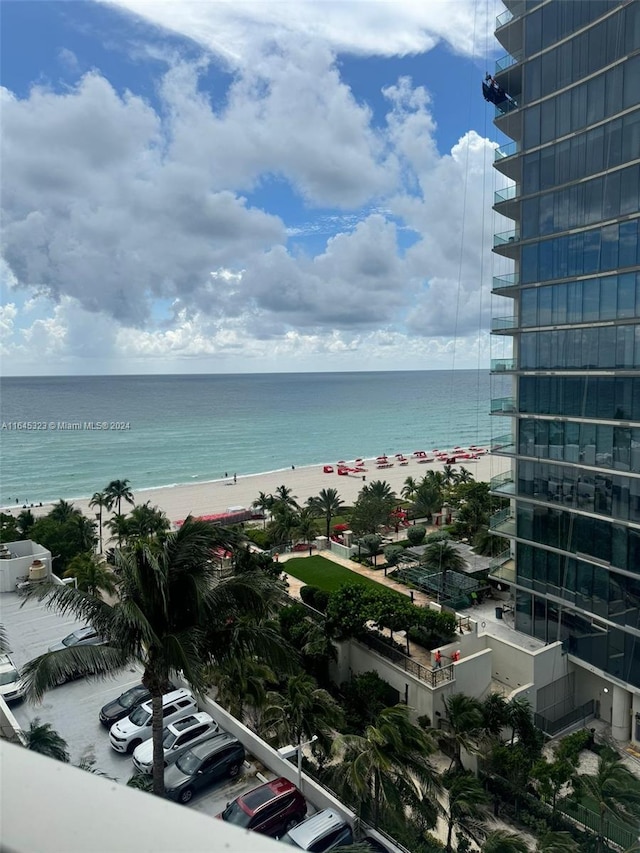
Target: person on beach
point(235, 479)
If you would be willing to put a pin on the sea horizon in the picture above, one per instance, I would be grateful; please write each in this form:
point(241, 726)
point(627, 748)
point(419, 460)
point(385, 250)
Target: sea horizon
point(161, 431)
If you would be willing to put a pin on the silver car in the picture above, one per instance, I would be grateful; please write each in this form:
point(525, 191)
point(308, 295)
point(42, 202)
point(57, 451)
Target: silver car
point(81, 637)
point(177, 738)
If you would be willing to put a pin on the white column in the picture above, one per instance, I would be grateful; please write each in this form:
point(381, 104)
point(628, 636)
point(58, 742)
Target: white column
point(621, 714)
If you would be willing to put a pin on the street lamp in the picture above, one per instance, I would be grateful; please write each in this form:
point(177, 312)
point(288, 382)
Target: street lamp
point(289, 751)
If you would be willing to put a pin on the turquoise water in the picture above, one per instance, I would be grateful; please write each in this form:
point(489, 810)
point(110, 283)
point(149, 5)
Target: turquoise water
point(163, 430)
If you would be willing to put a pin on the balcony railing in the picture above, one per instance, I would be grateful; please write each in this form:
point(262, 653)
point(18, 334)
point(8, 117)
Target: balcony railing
point(508, 60)
point(506, 194)
point(507, 150)
point(507, 106)
point(503, 522)
point(504, 18)
point(503, 567)
point(506, 237)
point(503, 483)
point(504, 443)
point(511, 280)
point(503, 324)
point(503, 405)
point(503, 365)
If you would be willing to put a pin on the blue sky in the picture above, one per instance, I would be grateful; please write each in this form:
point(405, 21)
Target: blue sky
point(223, 187)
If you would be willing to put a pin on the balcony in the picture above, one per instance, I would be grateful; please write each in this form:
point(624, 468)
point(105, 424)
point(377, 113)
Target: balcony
point(506, 162)
point(504, 282)
point(504, 365)
point(507, 201)
point(503, 406)
point(507, 243)
point(503, 484)
point(503, 325)
point(508, 60)
point(503, 567)
point(504, 445)
point(503, 522)
point(503, 19)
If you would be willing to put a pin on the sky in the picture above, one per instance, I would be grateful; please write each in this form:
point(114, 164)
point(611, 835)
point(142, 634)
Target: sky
point(230, 186)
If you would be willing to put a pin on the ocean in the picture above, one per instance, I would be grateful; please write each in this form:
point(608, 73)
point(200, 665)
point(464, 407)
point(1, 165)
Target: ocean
point(67, 437)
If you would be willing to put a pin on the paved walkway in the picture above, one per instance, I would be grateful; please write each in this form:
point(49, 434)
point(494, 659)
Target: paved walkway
point(416, 652)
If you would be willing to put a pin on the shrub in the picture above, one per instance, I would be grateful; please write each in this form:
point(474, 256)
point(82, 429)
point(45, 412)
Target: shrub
point(424, 721)
point(308, 594)
point(416, 534)
point(259, 537)
point(391, 554)
point(439, 536)
point(322, 600)
point(572, 745)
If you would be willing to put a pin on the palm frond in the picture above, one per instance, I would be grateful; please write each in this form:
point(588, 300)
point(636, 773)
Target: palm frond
point(54, 668)
point(66, 599)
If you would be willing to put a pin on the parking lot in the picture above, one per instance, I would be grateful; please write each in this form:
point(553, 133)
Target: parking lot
point(72, 709)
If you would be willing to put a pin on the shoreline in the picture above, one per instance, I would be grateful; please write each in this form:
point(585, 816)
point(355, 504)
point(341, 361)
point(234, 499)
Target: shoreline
point(178, 500)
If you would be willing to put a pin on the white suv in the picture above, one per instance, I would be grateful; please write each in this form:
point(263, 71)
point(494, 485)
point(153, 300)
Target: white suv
point(176, 738)
point(10, 685)
point(127, 734)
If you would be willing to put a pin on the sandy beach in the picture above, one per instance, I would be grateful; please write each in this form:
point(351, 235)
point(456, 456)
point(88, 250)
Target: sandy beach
point(221, 495)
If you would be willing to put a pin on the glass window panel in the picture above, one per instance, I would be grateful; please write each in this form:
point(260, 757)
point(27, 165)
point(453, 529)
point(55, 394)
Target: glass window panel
point(530, 217)
point(611, 200)
point(595, 96)
point(556, 440)
point(529, 306)
point(631, 81)
point(545, 260)
point(532, 80)
point(574, 302)
point(572, 441)
point(563, 69)
point(630, 190)
point(591, 299)
point(523, 612)
point(613, 144)
point(628, 243)
point(606, 343)
point(548, 84)
point(613, 90)
point(527, 437)
point(531, 173)
point(533, 32)
point(529, 270)
point(630, 136)
point(578, 155)
point(544, 305)
point(625, 346)
point(544, 350)
point(547, 168)
point(609, 256)
point(591, 246)
point(532, 127)
point(546, 224)
point(563, 114)
point(622, 448)
point(608, 297)
point(606, 396)
point(635, 450)
point(559, 304)
point(593, 191)
point(632, 35)
point(626, 292)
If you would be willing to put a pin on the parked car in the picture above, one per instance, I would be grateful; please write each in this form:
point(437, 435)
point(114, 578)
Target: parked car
point(123, 705)
point(271, 809)
point(320, 832)
point(177, 738)
point(202, 765)
point(11, 688)
point(127, 734)
point(82, 637)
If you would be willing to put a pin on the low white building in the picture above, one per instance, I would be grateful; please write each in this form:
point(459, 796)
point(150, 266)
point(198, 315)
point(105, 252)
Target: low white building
point(21, 561)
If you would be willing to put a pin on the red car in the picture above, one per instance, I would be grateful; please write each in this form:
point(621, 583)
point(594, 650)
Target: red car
point(271, 809)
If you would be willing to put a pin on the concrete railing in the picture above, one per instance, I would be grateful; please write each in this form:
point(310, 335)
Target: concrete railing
point(9, 728)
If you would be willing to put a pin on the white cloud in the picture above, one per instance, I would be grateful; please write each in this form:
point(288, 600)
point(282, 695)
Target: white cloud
point(128, 225)
point(232, 28)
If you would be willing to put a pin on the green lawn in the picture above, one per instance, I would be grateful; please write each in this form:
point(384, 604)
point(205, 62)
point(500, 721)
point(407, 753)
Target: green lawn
point(325, 574)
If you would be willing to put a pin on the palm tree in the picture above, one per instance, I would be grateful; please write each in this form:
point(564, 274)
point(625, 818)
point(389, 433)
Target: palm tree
point(303, 710)
point(264, 503)
point(240, 681)
point(42, 738)
point(283, 524)
point(448, 475)
point(465, 719)
point(466, 798)
point(283, 495)
point(409, 488)
point(557, 842)
point(165, 595)
point(116, 492)
point(119, 527)
point(381, 490)
point(101, 501)
point(306, 529)
point(86, 532)
point(25, 522)
point(463, 476)
point(442, 557)
point(502, 841)
point(5, 648)
point(92, 574)
point(63, 511)
point(519, 718)
point(145, 521)
point(495, 712)
point(327, 503)
point(387, 764)
point(614, 789)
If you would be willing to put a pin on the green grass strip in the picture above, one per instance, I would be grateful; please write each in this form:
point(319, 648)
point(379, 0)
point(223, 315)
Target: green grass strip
point(327, 575)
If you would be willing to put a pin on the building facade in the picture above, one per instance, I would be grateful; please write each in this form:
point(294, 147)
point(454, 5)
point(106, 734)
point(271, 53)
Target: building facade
point(573, 562)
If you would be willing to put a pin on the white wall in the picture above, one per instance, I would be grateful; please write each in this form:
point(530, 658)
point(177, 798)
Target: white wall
point(11, 571)
point(9, 727)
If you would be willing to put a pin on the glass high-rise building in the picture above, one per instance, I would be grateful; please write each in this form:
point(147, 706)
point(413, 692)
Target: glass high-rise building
point(573, 563)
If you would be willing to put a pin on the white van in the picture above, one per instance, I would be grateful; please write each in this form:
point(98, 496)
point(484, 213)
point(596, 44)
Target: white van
point(127, 734)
